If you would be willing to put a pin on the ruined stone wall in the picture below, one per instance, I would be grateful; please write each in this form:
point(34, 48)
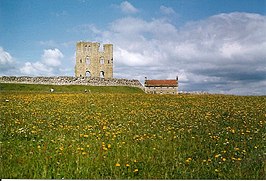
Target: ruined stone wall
point(64, 80)
point(93, 63)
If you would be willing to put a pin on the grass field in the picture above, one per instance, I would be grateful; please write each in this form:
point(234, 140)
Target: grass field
point(106, 135)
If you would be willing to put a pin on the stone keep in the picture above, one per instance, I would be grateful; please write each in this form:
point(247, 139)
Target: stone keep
point(90, 62)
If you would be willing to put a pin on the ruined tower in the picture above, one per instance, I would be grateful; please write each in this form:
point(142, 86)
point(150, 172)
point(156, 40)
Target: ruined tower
point(91, 62)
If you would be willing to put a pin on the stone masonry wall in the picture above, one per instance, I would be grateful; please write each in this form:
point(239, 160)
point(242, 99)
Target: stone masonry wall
point(91, 62)
point(65, 80)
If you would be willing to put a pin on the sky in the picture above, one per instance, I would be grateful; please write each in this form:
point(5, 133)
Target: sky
point(212, 46)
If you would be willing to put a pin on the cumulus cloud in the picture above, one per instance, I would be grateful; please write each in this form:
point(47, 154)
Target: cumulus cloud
point(48, 65)
point(7, 62)
point(5, 57)
point(52, 57)
point(127, 7)
point(217, 54)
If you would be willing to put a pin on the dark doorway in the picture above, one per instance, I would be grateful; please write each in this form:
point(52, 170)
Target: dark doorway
point(88, 74)
point(102, 74)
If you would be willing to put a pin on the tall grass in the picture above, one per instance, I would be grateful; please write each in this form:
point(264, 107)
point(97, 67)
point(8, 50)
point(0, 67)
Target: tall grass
point(132, 136)
point(12, 87)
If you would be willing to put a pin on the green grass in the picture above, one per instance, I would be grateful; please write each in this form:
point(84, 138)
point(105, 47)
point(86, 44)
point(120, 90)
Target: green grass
point(67, 88)
point(131, 136)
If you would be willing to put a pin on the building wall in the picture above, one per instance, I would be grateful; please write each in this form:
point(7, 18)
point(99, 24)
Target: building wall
point(90, 62)
point(161, 90)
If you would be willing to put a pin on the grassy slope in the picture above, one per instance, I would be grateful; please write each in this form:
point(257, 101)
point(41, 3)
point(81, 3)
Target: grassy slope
point(67, 88)
point(83, 136)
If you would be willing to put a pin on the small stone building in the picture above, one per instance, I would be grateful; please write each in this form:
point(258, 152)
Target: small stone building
point(93, 63)
point(161, 86)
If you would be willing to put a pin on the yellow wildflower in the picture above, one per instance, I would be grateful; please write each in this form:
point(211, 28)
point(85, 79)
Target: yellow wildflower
point(86, 136)
point(127, 165)
point(109, 146)
point(136, 170)
point(117, 165)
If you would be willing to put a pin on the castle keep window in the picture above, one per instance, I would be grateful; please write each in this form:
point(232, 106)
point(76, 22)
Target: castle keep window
point(88, 60)
point(101, 61)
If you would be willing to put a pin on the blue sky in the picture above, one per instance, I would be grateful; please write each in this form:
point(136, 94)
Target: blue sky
point(216, 46)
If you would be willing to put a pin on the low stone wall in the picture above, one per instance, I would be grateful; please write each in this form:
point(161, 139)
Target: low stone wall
point(65, 80)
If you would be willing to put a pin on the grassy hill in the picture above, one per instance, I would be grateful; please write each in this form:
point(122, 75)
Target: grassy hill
point(67, 88)
point(74, 135)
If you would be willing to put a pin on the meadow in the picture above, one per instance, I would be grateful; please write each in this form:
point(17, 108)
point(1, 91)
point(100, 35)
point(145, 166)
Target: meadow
point(108, 135)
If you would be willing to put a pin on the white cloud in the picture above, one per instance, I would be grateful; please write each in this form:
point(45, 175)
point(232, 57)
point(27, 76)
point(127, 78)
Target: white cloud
point(36, 68)
point(167, 10)
point(48, 66)
point(52, 57)
point(7, 63)
point(126, 7)
point(5, 57)
point(214, 54)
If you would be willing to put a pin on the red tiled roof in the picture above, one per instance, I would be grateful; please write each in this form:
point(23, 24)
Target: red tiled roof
point(161, 83)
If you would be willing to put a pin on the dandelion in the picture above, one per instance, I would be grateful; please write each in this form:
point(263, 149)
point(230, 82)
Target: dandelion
point(117, 165)
point(239, 159)
point(86, 136)
point(188, 160)
point(135, 161)
point(105, 149)
point(84, 153)
point(216, 170)
point(224, 159)
point(216, 156)
point(136, 170)
point(39, 147)
point(127, 165)
point(109, 146)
